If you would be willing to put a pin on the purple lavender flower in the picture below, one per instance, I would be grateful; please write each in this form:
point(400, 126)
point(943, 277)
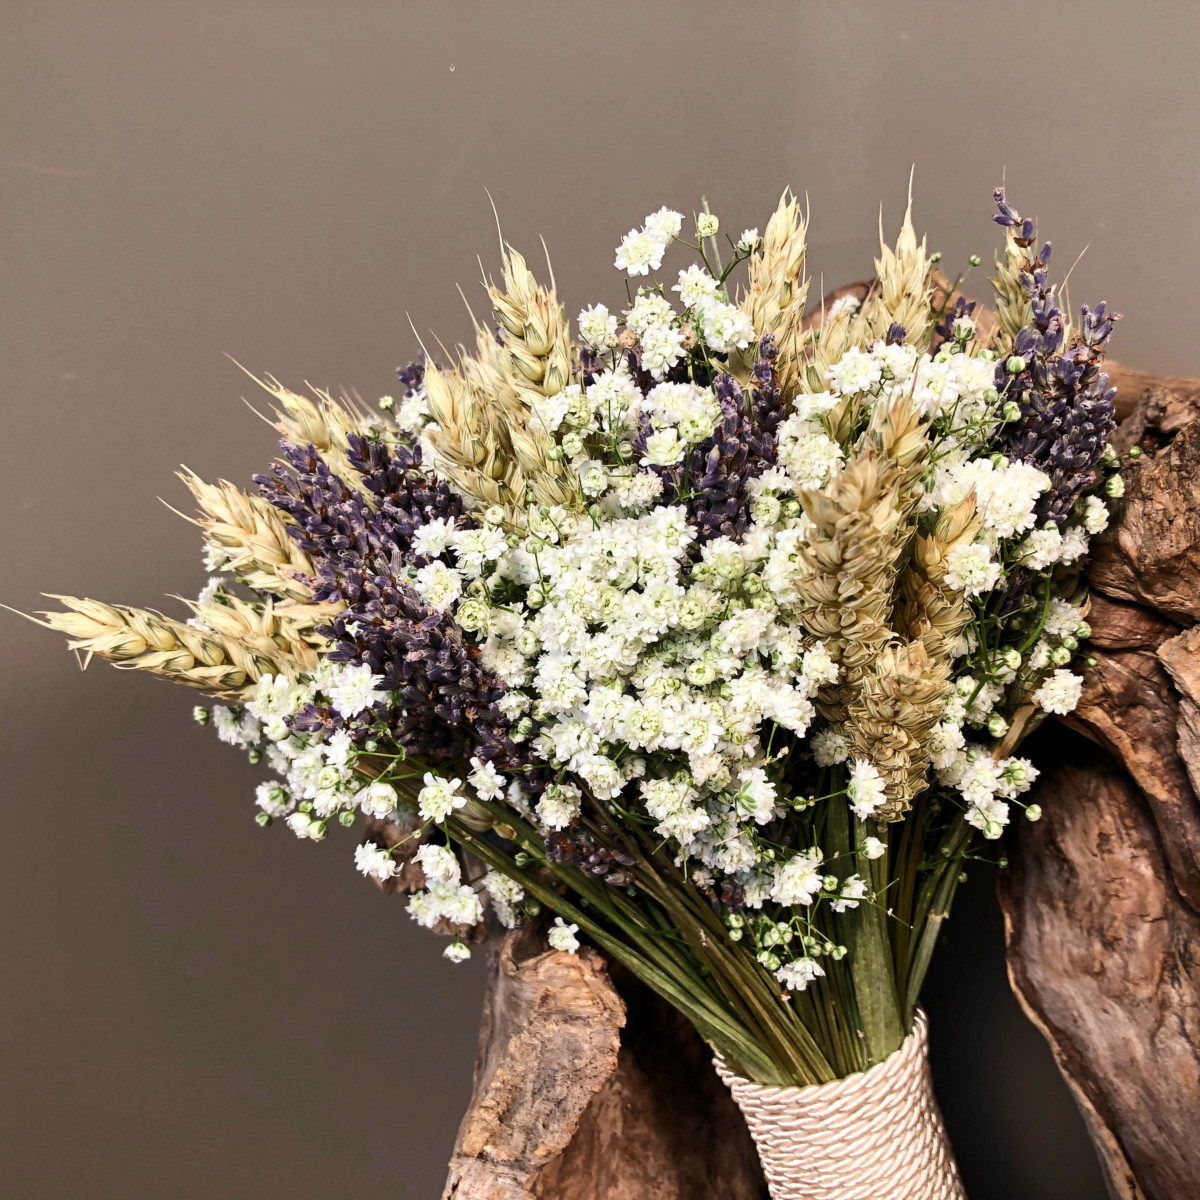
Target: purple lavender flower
point(714, 482)
point(1066, 405)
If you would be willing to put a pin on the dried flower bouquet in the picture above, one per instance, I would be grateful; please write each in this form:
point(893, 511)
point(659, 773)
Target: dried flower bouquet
point(709, 633)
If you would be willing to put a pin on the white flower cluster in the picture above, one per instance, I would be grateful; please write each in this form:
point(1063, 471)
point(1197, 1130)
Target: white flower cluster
point(661, 333)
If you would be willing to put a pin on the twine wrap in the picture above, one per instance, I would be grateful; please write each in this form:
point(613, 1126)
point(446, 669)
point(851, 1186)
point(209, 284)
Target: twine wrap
point(875, 1135)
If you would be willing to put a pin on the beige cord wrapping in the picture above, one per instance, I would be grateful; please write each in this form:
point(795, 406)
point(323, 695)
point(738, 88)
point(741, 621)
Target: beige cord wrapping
point(875, 1135)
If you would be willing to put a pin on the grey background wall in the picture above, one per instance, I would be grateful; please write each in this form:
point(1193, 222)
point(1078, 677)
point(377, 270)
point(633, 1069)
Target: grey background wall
point(192, 1007)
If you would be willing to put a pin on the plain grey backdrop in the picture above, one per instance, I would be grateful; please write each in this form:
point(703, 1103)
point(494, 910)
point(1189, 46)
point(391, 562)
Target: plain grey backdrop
point(191, 1007)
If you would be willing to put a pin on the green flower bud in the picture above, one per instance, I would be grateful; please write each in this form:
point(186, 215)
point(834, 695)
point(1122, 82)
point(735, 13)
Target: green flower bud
point(1015, 364)
point(262, 819)
point(201, 715)
point(1135, 452)
point(254, 755)
point(346, 818)
point(1033, 812)
point(1083, 630)
point(1070, 642)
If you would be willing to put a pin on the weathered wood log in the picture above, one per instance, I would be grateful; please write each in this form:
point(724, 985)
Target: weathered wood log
point(1105, 957)
point(1102, 905)
point(586, 1093)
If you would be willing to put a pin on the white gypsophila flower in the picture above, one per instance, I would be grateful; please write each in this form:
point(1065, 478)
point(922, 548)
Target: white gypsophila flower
point(726, 327)
point(1095, 515)
point(663, 449)
point(648, 309)
point(354, 688)
point(695, 286)
point(1059, 693)
point(843, 304)
point(873, 848)
point(1062, 617)
point(208, 593)
point(989, 817)
point(230, 728)
point(749, 240)
point(593, 478)
point(439, 797)
point(945, 741)
point(662, 348)
point(453, 902)
point(1040, 548)
point(215, 557)
point(970, 569)
point(505, 894)
point(559, 805)
point(807, 452)
point(456, 952)
point(597, 327)
point(475, 547)
point(854, 373)
point(486, 780)
point(707, 225)
point(798, 974)
point(640, 252)
point(1075, 543)
point(664, 224)
point(274, 799)
point(853, 889)
point(799, 879)
point(303, 825)
point(830, 746)
point(412, 413)
point(865, 789)
point(375, 862)
point(378, 800)
point(818, 667)
point(433, 538)
point(561, 936)
point(439, 864)
point(756, 797)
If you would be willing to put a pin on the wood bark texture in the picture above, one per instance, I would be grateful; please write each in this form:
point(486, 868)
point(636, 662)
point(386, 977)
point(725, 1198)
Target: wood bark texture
point(587, 1091)
point(1102, 903)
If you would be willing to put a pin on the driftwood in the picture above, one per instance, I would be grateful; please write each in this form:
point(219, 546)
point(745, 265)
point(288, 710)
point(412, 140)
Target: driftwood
point(588, 1086)
point(1102, 905)
point(590, 1089)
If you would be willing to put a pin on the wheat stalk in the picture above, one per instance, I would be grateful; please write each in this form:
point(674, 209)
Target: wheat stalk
point(929, 609)
point(252, 534)
point(862, 526)
point(324, 423)
point(891, 713)
point(1014, 307)
point(488, 441)
point(777, 289)
point(535, 329)
point(225, 654)
point(904, 291)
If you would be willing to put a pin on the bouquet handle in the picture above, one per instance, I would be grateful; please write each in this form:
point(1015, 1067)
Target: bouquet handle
point(875, 1135)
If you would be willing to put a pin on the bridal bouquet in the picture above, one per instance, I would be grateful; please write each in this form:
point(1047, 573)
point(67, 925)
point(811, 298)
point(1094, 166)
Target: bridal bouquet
point(705, 631)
